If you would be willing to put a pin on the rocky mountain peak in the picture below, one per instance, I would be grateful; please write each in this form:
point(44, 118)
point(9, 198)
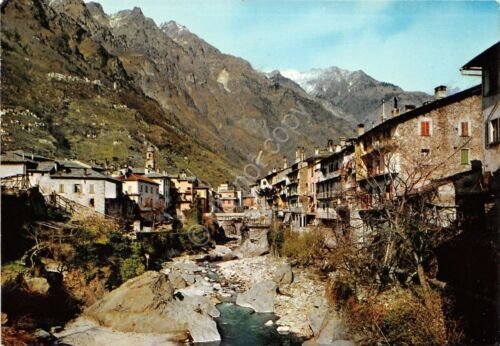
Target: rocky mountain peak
point(355, 92)
point(173, 29)
point(133, 17)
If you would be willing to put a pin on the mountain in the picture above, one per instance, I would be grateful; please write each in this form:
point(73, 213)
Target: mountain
point(355, 92)
point(79, 82)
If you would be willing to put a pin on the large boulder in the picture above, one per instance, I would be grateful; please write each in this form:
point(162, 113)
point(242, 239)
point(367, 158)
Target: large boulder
point(333, 329)
point(319, 312)
point(283, 275)
point(256, 245)
point(37, 285)
point(260, 297)
point(198, 312)
point(146, 304)
point(176, 279)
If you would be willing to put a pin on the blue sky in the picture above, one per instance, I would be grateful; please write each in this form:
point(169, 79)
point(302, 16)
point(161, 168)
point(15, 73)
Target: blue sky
point(414, 44)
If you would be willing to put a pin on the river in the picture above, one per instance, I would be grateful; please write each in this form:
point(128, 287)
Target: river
point(240, 326)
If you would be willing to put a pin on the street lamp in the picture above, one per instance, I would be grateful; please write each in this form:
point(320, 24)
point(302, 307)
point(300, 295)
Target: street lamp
point(147, 260)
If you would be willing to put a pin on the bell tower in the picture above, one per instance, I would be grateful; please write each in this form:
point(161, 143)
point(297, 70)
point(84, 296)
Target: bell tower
point(150, 159)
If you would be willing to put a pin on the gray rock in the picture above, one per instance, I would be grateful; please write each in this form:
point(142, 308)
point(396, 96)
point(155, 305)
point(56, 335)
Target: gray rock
point(260, 297)
point(188, 267)
point(333, 329)
point(42, 334)
point(203, 329)
point(318, 314)
point(221, 250)
point(190, 279)
point(146, 304)
point(283, 275)
point(283, 329)
point(37, 285)
point(176, 279)
point(256, 245)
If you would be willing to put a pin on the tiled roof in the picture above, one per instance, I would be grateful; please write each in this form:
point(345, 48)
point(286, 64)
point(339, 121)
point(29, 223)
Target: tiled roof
point(135, 177)
point(72, 164)
point(79, 173)
point(156, 175)
point(487, 57)
point(11, 157)
point(475, 90)
point(44, 166)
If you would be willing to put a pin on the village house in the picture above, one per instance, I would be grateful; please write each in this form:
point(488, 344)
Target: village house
point(203, 197)
point(487, 65)
point(145, 192)
point(71, 180)
point(185, 186)
point(249, 201)
point(230, 198)
point(13, 164)
point(165, 188)
point(82, 185)
point(335, 183)
point(424, 144)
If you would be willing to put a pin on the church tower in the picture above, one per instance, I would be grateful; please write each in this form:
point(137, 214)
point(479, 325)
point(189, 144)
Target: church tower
point(150, 159)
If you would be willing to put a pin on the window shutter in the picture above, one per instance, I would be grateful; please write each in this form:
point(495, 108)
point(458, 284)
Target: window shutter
point(464, 156)
point(464, 127)
point(425, 128)
point(487, 133)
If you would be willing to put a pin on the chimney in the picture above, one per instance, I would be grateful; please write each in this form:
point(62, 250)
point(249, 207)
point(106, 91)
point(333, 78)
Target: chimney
point(285, 163)
point(409, 108)
point(338, 148)
point(440, 92)
point(330, 145)
point(299, 154)
point(316, 151)
point(395, 109)
point(361, 129)
point(342, 141)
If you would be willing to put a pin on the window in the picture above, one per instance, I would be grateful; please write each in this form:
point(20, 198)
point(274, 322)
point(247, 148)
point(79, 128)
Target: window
point(140, 188)
point(425, 128)
point(61, 188)
point(494, 131)
point(464, 129)
point(464, 156)
point(425, 152)
point(77, 188)
point(91, 189)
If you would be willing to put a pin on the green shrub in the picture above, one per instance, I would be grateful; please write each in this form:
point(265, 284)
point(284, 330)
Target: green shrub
point(302, 247)
point(131, 267)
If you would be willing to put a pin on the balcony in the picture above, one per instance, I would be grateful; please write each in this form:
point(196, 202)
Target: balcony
point(326, 213)
point(328, 176)
point(328, 194)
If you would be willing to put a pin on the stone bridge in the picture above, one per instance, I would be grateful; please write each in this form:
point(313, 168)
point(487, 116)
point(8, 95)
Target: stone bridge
point(232, 222)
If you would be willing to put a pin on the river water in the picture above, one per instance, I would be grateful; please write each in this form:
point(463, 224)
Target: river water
point(241, 326)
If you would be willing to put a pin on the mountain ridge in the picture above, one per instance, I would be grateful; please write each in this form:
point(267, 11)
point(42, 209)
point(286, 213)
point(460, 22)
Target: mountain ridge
point(204, 110)
point(337, 86)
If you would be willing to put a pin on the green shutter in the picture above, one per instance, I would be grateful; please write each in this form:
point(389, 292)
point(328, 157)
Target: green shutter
point(464, 156)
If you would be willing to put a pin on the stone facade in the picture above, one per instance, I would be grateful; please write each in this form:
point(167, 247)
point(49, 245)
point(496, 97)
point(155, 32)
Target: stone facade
point(432, 142)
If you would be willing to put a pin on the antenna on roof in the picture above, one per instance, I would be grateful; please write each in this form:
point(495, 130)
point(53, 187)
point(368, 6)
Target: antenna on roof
point(383, 109)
